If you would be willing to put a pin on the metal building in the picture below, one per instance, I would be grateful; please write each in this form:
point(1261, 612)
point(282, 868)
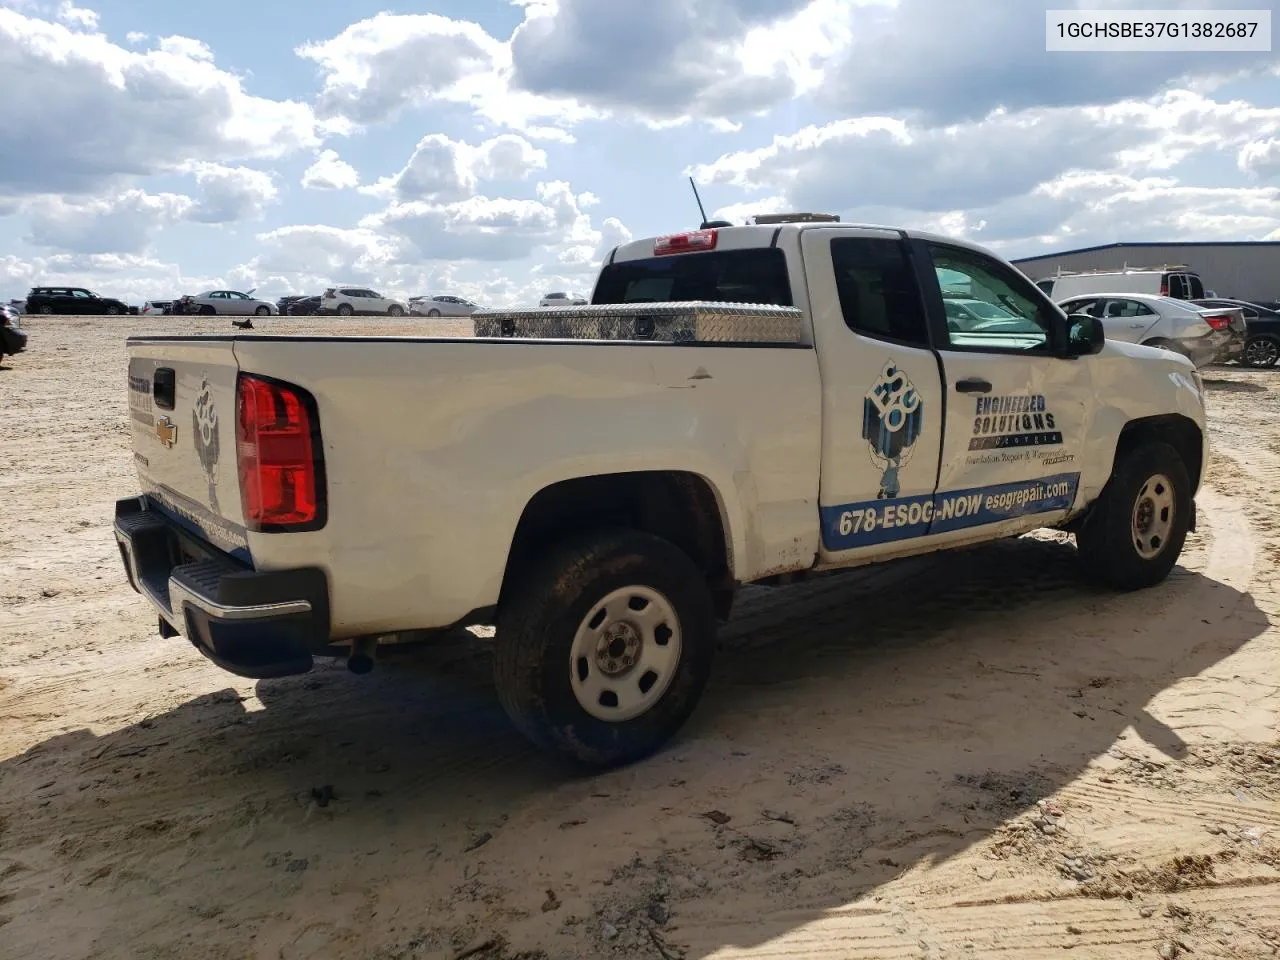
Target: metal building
point(1244, 269)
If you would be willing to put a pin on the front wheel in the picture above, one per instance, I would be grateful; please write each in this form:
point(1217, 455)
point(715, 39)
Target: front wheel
point(394, 311)
point(262, 311)
point(604, 646)
point(113, 311)
point(1136, 528)
point(1262, 351)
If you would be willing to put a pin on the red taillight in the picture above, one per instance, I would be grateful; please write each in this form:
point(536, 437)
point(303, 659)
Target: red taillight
point(1218, 322)
point(274, 449)
point(685, 242)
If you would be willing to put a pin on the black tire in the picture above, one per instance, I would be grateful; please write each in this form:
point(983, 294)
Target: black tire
point(433, 313)
point(206, 310)
point(113, 311)
point(1261, 351)
point(344, 310)
point(46, 309)
point(262, 311)
point(537, 625)
point(394, 311)
point(1107, 540)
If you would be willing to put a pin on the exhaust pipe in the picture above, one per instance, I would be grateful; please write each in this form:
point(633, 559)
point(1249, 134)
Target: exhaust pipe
point(363, 651)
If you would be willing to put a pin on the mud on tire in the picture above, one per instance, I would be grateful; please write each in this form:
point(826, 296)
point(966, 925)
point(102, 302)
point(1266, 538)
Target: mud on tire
point(1136, 529)
point(543, 659)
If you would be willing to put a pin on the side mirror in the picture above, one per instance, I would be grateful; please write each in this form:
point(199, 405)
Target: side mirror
point(1085, 335)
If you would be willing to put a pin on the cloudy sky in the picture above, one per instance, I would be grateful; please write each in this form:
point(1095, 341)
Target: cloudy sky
point(496, 148)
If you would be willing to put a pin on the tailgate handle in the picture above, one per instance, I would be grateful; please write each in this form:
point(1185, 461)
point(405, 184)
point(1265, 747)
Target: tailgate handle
point(162, 388)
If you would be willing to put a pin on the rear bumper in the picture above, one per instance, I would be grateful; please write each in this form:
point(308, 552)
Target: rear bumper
point(255, 624)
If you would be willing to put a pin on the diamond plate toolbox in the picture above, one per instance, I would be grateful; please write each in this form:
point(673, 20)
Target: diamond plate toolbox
point(693, 322)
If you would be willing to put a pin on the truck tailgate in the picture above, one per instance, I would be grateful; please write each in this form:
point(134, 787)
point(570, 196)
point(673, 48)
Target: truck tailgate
point(182, 407)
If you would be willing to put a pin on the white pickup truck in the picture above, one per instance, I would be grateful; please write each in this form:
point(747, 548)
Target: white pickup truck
point(735, 405)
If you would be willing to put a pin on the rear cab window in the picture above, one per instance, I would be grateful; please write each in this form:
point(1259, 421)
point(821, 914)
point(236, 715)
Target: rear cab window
point(749, 275)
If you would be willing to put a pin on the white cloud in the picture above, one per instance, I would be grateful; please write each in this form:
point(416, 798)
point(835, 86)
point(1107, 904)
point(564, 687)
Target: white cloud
point(228, 194)
point(123, 224)
point(376, 68)
point(330, 172)
point(489, 228)
point(74, 16)
point(1261, 158)
point(135, 37)
point(93, 113)
point(443, 170)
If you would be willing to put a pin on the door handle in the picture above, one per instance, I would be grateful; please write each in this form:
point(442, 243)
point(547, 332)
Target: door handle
point(973, 385)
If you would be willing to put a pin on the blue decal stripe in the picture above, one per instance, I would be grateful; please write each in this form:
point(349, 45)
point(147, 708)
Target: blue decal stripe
point(871, 522)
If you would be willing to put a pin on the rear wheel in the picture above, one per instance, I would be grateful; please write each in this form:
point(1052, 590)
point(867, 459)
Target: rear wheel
point(344, 310)
point(262, 311)
point(1136, 528)
point(604, 647)
point(1262, 351)
point(433, 312)
point(206, 310)
point(46, 309)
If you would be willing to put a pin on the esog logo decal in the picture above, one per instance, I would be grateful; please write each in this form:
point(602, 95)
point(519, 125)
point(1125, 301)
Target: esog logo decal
point(1002, 423)
point(204, 428)
point(892, 418)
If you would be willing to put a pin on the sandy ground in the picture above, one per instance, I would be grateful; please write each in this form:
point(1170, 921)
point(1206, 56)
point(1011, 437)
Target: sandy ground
point(966, 756)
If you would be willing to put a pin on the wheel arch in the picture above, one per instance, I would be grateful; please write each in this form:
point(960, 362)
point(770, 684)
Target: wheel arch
point(1179, 431)
point(679, 506)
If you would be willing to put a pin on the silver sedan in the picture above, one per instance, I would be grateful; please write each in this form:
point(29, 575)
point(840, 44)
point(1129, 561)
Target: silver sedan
point(1204, 335)
point(442, 306)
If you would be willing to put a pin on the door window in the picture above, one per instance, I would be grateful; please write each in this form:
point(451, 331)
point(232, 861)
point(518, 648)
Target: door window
point(1091, 306)
point(1177, 289)
point(1128, 308)
point(1197, 288)
point(877, 290)
point(1003, 310)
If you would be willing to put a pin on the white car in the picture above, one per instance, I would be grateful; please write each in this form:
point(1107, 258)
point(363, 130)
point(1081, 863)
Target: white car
point(1203, 334)
point(353, 301)
point(155, 308)
point(561, 299)
point(231, 302)
point(442, 306)
point(600, 494)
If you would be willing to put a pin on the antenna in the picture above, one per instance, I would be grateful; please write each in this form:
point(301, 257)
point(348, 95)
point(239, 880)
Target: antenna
point(699, 199)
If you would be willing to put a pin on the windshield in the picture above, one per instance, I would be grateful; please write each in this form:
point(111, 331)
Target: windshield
point(753, 275)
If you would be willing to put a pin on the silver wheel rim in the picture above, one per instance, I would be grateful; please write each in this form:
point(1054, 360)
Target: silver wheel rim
point(625, 654)
point(1260, 353)
point(1153, 514)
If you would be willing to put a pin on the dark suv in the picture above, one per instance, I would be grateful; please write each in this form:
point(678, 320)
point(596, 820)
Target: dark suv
point(74, 300)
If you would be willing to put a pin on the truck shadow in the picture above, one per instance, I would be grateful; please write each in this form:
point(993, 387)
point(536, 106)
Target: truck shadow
point(857, 726)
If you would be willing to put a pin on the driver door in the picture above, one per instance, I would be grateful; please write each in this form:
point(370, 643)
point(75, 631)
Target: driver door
point(1018, 408)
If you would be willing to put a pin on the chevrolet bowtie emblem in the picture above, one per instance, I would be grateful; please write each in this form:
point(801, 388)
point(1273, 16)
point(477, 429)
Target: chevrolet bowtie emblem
point(166, 431)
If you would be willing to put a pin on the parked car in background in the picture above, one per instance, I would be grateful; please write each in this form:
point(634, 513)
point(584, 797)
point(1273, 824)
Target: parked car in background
point(156, 307)
point(1179, 282)
point(1262, 342)
point(1202, 334)
point(560, 299)
point(442, 306)
point(13, 339)
point(351, 301)
point(303, 306)
point(230, 302)
point(967, 315)
point(75, 300)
